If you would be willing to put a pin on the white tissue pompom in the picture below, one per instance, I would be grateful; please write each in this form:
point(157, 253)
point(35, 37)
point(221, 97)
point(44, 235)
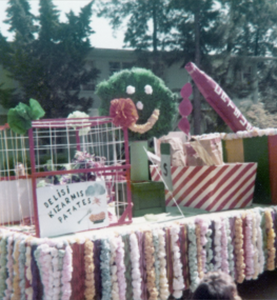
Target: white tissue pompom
point(130, 90)
point(79, 114)
point(148, 89)
point(140, 105)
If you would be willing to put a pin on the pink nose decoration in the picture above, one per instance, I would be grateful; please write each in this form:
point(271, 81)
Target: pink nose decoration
point(185, 108)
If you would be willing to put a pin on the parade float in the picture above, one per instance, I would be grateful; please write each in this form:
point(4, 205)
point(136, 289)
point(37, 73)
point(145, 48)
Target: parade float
point(68, 193)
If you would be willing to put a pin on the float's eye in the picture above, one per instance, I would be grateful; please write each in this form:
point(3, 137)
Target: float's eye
point(148, 89)
point(130, 90)
point(139, 105)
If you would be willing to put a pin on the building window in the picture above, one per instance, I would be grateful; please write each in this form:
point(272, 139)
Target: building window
point(127, 65)
point(116, 66)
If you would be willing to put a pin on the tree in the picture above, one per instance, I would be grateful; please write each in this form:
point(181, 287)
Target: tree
point(147, 28)
point(200, 31)
point(188, 29)
point(257, 39)
point(147, 25)
point(47, 57)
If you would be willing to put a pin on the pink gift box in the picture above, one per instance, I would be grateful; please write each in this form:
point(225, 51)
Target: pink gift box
point(213, 188)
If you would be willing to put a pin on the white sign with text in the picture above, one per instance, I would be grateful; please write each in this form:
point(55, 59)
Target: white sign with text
point(70, 208)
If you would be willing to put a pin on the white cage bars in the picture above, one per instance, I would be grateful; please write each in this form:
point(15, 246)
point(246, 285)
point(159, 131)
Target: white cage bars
point(65, 151)
point(16, 205)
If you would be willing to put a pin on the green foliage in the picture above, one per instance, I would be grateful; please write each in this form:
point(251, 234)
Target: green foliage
point(207, 32)
point(147, 25)
point(47, 57)
point(257, 115)
point(20, 118)
point(252, 26)
point(162, 99)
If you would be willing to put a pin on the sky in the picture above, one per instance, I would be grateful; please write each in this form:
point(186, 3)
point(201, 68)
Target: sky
point(104, 37)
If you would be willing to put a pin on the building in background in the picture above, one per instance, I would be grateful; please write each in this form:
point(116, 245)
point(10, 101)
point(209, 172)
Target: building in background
point(108, 61)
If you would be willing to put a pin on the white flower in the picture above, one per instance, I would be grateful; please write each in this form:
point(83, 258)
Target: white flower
point(130, 90)
point(139, 105)
point(148, 89)
point(79, 114)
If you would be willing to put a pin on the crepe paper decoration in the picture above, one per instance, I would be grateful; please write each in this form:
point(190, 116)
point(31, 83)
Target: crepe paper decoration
point(36, 111)
point(203, 226)
point(9, 266)
point(148, 89)
point(271, 251)
point(150, 270)
point(120, 268)
point(192, 250)
point(130, 90)
point(85, 128)
point(20, 118)
point(139, 105)
point(249, 247)
point(239, 250)
point(230, 248)
point(164, 287)
point(28, 273)
point(255, 245)
point(148, 125)
point(259, 262)
point(89, 270)
point(105, 270)
point(124, 112)
point(184, 254)
point(217, 245)
point(16, 274)
point(114, 271)
point(156, 259)
point(185, 107)
point(142, 263)
point(218, 99)
point(52, 261)
point(261, 240)
point(224, 248)
point(178, 280)
point(199, 252)
point(184, 125)
point(21, 259)
point(128, 266)
point(136, 275)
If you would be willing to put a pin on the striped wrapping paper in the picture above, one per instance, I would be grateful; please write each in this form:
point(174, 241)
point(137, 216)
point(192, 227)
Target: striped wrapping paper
point(213, 188)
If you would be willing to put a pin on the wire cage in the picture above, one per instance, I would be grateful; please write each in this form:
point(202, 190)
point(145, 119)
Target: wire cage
point(62, 157)
point(16, 203)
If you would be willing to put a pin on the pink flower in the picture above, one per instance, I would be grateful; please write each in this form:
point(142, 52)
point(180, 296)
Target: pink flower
point(124, 112)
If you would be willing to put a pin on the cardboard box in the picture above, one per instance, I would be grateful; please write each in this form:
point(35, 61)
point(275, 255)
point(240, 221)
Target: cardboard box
point(262, 150)
point(213, 188)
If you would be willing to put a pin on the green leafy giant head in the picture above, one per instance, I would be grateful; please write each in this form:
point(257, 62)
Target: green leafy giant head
point(148, 92)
